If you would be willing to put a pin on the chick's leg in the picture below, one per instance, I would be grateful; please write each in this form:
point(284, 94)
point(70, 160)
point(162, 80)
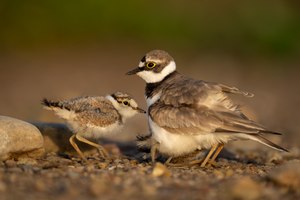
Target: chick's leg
point(75, 146)
point(100, 149)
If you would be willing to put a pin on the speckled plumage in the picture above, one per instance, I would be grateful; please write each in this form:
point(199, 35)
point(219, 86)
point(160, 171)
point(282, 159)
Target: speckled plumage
point(97, 111)
point(94, 116)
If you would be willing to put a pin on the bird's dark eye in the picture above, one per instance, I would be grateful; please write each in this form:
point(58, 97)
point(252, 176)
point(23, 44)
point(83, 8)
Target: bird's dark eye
point(150, 65)
point(125, 103)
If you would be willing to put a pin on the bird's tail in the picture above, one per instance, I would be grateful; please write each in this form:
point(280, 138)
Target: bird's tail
point(53, 104)
point(259, 138)
point(61, 109)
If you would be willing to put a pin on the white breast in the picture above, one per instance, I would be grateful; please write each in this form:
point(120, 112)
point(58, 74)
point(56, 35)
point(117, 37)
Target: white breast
point(92, 131)
point(173, 144)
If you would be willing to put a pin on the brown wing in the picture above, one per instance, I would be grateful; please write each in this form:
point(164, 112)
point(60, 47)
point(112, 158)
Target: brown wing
point(97, 111)
point(79, 104)
point(188, 91)
point(195, 107)
point(234, 90)
point(183, 119)
point(97, 117)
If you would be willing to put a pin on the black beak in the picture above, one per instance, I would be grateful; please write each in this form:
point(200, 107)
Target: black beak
point(140, 110)
point(134, 71)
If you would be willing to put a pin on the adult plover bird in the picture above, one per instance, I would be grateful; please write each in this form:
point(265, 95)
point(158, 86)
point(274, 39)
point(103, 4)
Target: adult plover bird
point(93, 117)
point(187, 114)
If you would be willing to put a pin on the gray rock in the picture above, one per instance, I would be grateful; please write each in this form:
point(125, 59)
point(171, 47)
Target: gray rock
point(19, 138)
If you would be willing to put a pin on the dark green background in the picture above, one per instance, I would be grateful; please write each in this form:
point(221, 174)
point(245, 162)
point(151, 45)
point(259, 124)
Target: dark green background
point(264, 28)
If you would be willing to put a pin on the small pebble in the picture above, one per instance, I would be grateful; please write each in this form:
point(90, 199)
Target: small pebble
point(103, 165)
point(10, 163)
point(229, 173)
point(160, 170)
point(26, 161)
point(112, 168)
point(218, 174)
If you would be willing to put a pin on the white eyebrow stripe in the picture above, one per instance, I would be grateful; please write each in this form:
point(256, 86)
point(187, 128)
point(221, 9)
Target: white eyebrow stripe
point(141, 64)
point(152, 77)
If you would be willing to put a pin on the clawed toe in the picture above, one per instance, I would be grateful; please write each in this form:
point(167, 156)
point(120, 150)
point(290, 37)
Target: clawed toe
point(103, 153)
point(212, 164)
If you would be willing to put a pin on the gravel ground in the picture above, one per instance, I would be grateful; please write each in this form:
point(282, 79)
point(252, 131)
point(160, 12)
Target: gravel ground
point(130, 175)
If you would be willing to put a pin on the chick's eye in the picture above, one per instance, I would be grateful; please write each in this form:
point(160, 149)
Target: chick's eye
point(125, 103)
point(150, 65)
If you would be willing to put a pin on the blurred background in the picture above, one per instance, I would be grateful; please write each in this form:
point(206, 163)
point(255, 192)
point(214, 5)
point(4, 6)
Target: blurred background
point(63, 49)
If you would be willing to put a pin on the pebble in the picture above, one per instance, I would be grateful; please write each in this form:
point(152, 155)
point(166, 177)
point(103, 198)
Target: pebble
point(26, 161)
point(89, 168)
point(218, 174)
point(10, 163)
point(229, 173)
point(275, 157)
point(112, 168)
point(160, 170)
point(19, 138)
point(103, 165)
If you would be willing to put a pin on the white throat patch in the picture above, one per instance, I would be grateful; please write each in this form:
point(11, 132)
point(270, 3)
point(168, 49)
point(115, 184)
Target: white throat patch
point(152, 100)
point(152, 77)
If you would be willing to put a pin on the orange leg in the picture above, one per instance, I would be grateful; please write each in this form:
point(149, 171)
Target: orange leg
point(100, 149)
point(217, 152)
point(212, 150)
point(153, 150)
point(75, 146)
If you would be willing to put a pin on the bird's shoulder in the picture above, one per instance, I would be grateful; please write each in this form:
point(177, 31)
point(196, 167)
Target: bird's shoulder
point(189, 91)
point(193, 92)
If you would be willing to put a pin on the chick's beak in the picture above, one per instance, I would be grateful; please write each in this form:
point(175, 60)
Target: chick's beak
point(134, 71)
point(140, 110)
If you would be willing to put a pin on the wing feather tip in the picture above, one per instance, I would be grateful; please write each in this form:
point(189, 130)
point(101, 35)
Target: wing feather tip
point(268, 143)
